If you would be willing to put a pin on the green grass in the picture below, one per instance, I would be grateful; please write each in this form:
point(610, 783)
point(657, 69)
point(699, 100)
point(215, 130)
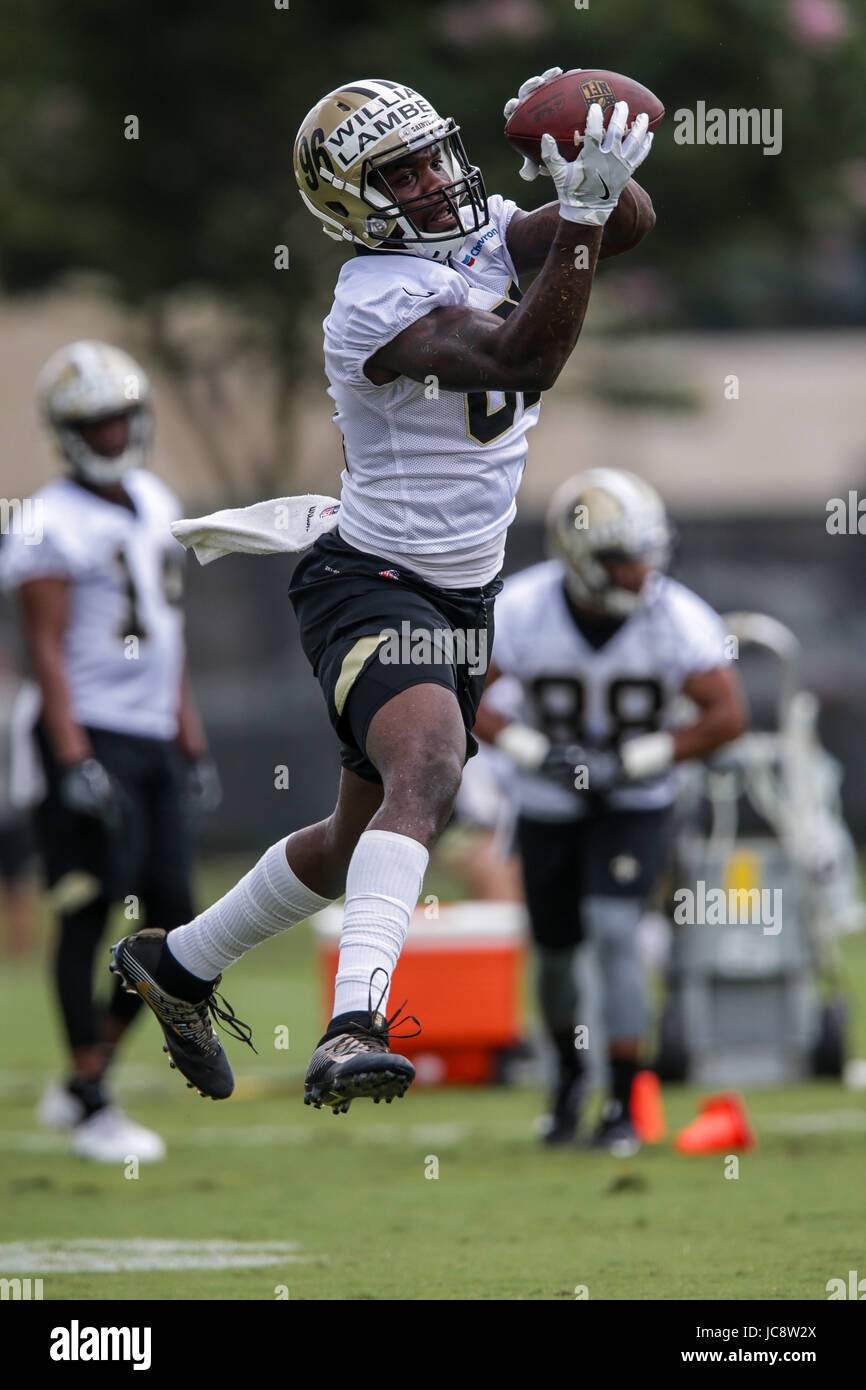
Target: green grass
point(504, 1220)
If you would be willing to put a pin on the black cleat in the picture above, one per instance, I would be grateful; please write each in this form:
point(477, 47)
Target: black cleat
point(353, 1060)
point(615, 1132)
point(560, 1125)
point(190, 1041)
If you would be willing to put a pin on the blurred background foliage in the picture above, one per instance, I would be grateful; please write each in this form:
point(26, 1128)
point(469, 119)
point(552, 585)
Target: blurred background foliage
point(189, 214)
point(219, 89)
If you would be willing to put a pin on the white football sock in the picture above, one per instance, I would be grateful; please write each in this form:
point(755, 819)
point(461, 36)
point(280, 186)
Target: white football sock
point(382, 887)
point(268, 900)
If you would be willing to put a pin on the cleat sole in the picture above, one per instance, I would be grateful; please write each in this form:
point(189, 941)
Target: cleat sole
point(387, 1084)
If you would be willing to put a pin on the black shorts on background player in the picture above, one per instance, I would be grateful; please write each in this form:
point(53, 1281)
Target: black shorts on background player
point(342, 596)
point(148, 858)
point(614, 854)
point(151, 855)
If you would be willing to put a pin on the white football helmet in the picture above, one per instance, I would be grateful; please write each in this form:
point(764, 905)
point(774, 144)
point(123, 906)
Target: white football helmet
point(356, 132)
point(88, 381)
point(606, 513)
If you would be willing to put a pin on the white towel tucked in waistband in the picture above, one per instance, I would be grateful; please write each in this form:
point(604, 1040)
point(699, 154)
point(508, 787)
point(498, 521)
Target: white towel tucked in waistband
point(283, 523)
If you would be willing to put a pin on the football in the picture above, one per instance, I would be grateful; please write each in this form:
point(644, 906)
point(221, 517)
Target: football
point(561, 105)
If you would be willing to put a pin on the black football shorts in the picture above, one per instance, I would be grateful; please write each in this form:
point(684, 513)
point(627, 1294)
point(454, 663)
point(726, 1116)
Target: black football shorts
point(613, 854)
point(150, 855)
point(370, 630)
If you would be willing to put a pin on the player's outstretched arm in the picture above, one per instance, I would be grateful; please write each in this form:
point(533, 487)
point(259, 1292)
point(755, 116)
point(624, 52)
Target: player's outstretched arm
point(530, 234)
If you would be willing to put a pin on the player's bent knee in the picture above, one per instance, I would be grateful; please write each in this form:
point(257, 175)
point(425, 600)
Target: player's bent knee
point(429, 781)
point(444, 773)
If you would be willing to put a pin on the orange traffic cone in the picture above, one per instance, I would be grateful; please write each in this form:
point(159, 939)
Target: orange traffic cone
point(722, 1124)
point(647, 1110)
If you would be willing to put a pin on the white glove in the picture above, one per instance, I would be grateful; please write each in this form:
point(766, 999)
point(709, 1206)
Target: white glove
point(530, 169)
point(526, 747)
point(589, 186)
point(647, 755)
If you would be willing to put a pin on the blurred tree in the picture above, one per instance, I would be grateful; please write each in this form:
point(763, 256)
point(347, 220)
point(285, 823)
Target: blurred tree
point(184, 220)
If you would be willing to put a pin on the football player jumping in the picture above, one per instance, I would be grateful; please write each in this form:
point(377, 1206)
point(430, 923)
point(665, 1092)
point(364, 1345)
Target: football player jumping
point(601, 645)
point(435, 364)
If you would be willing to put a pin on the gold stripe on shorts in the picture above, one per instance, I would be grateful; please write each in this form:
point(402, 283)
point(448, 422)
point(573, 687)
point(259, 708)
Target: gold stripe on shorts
point(353, 662)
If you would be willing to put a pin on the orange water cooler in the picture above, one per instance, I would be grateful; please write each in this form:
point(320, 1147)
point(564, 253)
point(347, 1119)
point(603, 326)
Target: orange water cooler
point(461, 974)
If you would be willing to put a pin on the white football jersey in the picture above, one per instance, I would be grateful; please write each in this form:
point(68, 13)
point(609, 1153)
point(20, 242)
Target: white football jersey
point(428, 472)
point(124, 643)
point(559, 683)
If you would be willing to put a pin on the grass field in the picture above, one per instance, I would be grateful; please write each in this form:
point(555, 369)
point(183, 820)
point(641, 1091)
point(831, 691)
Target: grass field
point(340, 1208)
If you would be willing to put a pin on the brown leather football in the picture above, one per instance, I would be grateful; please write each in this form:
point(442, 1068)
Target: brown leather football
point(560, 108)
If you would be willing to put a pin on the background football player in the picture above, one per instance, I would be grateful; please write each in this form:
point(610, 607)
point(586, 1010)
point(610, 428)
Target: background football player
point(601, 646)
point(99, 588)
point(435, 364)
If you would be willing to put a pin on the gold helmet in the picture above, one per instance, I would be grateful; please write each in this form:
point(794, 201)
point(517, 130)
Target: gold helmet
point(87, 381)
point(606, 514)
point(342, 153)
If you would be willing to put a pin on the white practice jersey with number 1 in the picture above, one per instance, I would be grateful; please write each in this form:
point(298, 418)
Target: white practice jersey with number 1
point(429, 472)
point(124, 642)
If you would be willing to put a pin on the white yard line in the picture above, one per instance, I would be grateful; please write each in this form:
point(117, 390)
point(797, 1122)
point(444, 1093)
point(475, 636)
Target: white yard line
point(253, 1136)
point(816, 1122)
point(28, 1082)
point(443, 1135)
point(36, 1257)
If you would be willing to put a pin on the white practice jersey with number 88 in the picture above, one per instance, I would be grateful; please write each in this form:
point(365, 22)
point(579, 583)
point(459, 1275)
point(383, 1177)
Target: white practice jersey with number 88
point(124, 641)
point(555, 681)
